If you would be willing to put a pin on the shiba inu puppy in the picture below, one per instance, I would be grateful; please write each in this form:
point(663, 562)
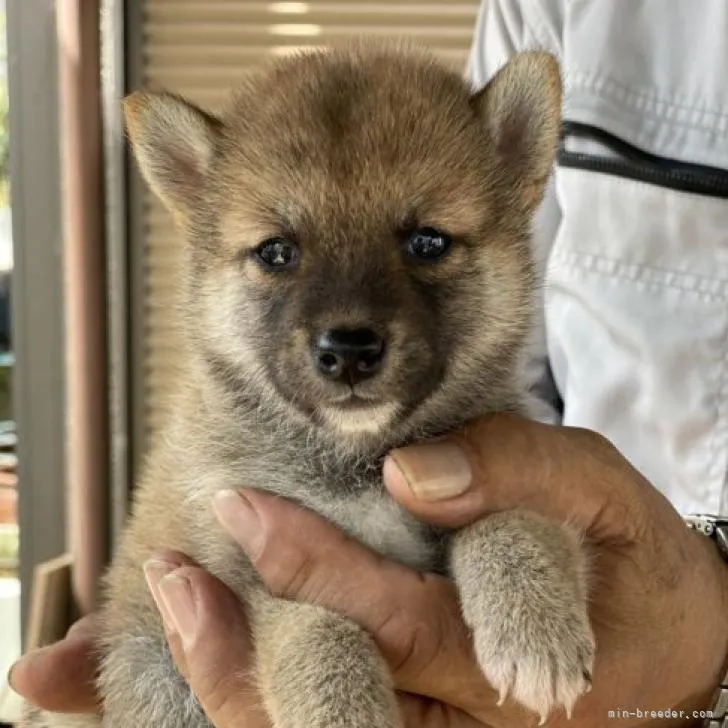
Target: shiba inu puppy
point(359, 277)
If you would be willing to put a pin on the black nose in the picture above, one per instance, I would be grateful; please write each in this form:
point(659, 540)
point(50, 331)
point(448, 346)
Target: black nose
point(349, 354)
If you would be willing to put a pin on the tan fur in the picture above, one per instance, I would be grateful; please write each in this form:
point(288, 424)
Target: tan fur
point(345, 152)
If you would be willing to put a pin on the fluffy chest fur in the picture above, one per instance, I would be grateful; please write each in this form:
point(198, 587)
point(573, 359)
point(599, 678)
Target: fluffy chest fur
point(348, 492)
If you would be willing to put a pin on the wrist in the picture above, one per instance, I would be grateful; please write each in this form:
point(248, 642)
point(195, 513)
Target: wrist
point(710, 648)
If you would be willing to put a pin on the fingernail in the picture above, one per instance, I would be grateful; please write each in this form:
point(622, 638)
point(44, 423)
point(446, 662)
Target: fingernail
point(435, 471)
point(9, 677)
point(240, 520)
point(154, 571)
point(175, 593)
point(27, 659)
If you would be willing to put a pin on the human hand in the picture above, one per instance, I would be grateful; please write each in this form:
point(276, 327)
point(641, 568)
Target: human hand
point(659, 591)
point(206, 630)
point(215, 660)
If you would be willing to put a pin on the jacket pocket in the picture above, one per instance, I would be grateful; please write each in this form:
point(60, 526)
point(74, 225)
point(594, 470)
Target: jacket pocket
point(637, 310)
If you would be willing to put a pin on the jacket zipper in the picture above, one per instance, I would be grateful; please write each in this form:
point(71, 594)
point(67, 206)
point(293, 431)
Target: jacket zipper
point(639, 165)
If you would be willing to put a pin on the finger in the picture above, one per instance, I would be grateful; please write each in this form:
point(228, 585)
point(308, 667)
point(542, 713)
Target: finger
point(208, 637)
point(414, 618)
point(504, 462)
point(61, 678)
point(85, 626)
point(419, 712)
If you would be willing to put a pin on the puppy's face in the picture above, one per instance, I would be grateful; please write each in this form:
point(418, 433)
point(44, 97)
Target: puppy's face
point(359, 230)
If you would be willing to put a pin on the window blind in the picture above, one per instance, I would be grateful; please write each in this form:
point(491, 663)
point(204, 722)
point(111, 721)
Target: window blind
point(199, 48)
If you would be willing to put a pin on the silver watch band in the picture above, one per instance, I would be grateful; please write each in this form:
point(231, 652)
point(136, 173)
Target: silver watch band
point(715, 528)
point(719, 709)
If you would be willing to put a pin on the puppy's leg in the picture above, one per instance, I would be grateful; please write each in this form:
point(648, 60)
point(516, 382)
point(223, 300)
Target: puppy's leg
point(522, 584)
point(317, 669)
point(140, 686)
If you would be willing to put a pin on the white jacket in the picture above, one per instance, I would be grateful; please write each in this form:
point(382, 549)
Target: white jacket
point(633, 233)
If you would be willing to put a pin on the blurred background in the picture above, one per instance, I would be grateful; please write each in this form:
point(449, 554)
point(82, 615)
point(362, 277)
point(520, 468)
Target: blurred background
point(89, 260)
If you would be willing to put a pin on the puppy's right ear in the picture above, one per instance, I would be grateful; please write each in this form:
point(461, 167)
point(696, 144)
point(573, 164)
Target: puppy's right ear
point(520, 108)
point(173, 142)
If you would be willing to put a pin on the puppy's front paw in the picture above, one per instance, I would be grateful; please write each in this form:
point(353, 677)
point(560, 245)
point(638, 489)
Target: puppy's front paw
point(522, 583)
point(319, 670)
point(544, 668)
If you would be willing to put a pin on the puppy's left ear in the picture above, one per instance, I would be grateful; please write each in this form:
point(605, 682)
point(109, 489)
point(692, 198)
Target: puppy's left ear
point(174, 143)
point(521, 111)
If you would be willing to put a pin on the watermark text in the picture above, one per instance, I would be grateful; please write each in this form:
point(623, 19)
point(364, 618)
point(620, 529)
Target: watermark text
point(623, 713)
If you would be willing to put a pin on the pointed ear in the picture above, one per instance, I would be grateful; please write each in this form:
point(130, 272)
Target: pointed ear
point(173, 142)
point(521, 110)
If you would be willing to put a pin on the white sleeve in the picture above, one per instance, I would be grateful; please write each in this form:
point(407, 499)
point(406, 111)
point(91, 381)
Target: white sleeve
point(503, 28)
point(499, 34)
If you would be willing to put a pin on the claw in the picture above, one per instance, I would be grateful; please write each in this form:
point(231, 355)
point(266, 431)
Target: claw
point(506, 687)
point(502, 695)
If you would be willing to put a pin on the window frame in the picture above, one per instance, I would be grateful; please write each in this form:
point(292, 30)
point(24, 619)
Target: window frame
point(37, 287)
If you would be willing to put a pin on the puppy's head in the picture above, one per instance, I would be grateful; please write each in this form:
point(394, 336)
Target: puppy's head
point(359, 230)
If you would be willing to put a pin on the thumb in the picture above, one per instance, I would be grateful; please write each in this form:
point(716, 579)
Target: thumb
point(208, 636)
point(504, 462)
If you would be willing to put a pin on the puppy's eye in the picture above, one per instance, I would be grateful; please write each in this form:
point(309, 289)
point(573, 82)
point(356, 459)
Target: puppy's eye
point(428, 244)
point(277, 254)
